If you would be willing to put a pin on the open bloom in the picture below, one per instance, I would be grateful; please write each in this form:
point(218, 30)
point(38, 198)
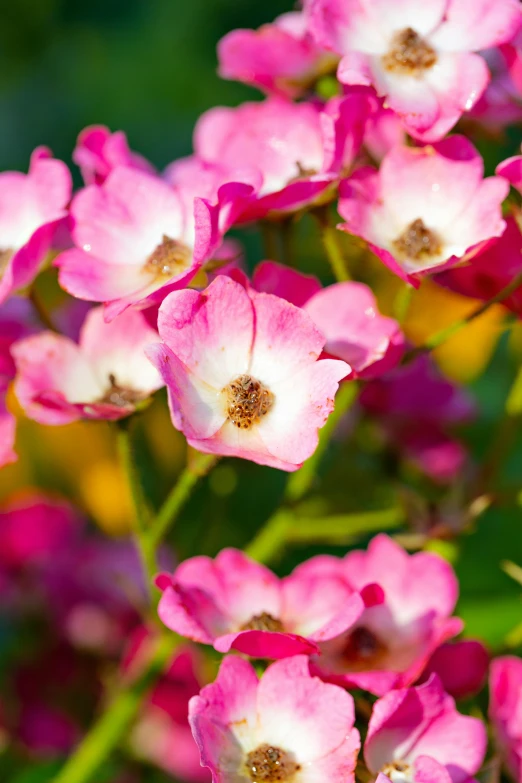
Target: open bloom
point(103, 376)
point(422, 61)
point(98, 152)
point(280, 58)
point(31, 205)
point(391, 642)
point(346, 314)
point(136, 239)
point(491, 271)
point(426, 208)
point(288, 726)
point(242, 373)
point(417, 735)
point(298, 150)
point(505, 710)
point(234, 603)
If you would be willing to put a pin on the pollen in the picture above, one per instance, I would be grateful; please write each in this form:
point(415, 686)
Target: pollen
point(409, 54)
point(363, 649)
point(247, 401)
point(417, 242)
point(398, 771)
point(267, 764)
point(263, 622)
point(170, 258)
point(120, 396)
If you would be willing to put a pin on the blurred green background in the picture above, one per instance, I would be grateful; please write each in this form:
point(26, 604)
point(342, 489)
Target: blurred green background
point(149, 67)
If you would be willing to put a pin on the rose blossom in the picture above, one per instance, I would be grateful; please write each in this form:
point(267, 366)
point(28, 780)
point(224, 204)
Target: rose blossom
point(392, 641)
point(137, 238)
point(242, 373)
point(298, 150)
point(416, 735)
point(235, 603)
point(426, 208)
point(279, 58)
point(31, 205)
point(98, 152)
point(346, 314)
point(421, 59)
point(103, 376)
point(288, 726)
point(505, 710)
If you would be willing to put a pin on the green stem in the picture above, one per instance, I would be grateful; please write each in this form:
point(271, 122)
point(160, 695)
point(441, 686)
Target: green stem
point(113, 724)
point(445, 334)
point(300, 482)
point(343, 528)
point(140, 515)
point(330, 239)
point(402, 303)
point(179, 496)
point(275, 531)
point(287, 235)
point(41, 310)
point(269, 234)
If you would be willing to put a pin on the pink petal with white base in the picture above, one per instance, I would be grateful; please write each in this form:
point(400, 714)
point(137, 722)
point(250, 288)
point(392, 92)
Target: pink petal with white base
point(98, 152)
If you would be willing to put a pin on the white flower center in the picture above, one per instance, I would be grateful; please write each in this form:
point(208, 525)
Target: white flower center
point(247, 400)
point(417, 243)
point(409, 54)
point(169, 258)
point(267, 764)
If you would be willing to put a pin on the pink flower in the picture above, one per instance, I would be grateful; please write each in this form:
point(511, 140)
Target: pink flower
point(417, 735)
point(31, 205)
point(420, 59)
point(505, 710)
point(234, 603)
point(346, 314)
point(98, 152)
point(462, 667)
point(103, 376)
point(297, 149)
point(136, 239)
point(242, 373)
point(392, 641)
point(278, 58)
point(286, 726)
point(384, 131)
point(511, 169)
point(426, 208)
point(491, 271)
point(501, 103)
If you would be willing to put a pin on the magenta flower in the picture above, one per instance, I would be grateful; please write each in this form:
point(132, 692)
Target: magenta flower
point(346, 314)
point(242, 373)
point(104, 376)
point(279, 58)
point(235, 603)
point(421, 59)
point(31, 205)
point(461, 666)
point(384, 131)
point(288, 726)
point(426, 208)
point(136, 239)
point(511, 169)
point(298, 150)
point(417, 735)
point(392, 641)
point(505, 710)
point(491, 271)
point(98, 152)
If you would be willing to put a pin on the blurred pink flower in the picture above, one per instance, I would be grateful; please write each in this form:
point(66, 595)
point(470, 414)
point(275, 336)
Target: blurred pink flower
point(421, 59)
point(461, 666)
point(391, 643)
point(242, 373)
point(31, 206)
point(427, 208)
point(235, 603)
point(346, 314)
point(416, 734)
point(103, 376)
point(288, 724)
point(98, 152)
point(505, 710)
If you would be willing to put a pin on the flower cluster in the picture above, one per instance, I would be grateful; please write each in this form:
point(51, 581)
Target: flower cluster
point(358, 660)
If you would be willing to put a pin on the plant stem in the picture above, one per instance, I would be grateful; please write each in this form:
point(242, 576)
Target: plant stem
point(330, 239)
point(402, 303)
point(269, 234)
point(112, 725)
point(140, 516)
point(274, 532)
point(444, 334)
point(300, 482)
point(179, 495)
